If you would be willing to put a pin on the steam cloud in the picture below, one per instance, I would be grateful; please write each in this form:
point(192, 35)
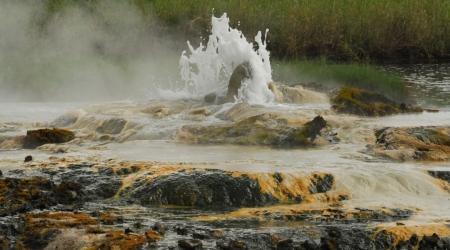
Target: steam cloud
point(108, 53)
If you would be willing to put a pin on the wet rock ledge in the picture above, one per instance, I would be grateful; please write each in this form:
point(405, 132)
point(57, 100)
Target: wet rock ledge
point(266, 129)
point(65, 203)
point(428, 143)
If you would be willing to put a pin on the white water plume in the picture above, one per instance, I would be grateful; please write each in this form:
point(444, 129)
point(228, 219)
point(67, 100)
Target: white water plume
point(209, 67)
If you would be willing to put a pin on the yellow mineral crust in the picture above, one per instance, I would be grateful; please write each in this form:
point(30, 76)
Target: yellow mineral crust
point(283, 210)
point(291, 184)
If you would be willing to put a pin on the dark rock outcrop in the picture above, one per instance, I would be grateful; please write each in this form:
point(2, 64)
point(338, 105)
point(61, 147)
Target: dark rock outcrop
point(28, 158)
point(23, 195)
point(203, 189)
point(240, 73)
point(220, 189)
point(443, 175)
point(36, 138)
point(363, 103)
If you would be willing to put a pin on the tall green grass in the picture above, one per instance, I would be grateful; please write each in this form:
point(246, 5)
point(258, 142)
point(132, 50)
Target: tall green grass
point(339, 29)
point(357, 30)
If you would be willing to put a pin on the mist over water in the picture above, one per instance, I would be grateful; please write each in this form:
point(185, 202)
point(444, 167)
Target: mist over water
point(77, 54)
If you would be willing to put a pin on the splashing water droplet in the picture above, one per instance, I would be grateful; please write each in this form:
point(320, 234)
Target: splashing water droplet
point(208, 68)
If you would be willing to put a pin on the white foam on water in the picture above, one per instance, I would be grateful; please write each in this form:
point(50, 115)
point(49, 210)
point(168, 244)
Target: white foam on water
point(208, 68)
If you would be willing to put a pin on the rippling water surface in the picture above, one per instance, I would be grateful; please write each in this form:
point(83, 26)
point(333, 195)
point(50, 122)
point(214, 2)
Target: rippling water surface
point(429, 83)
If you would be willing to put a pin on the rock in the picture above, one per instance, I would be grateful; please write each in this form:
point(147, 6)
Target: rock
point(278, 95)
point(363, 103)
point(310, 245)
point(110, 219)
point(128, 230)
point(300, 95)
point(236, 109)
point(68, 192)
point(94, 230)
point(256, 130)
point(210, 98)
point(429, 242)
point(158, 227)
point(200, 235)
point(190, 244)
point(329, 243)
point(414, 240)
point(240, 74)
point(153, 236)
point(231, 244)
point(181, 230)
point(403, 245)
point(286, 244)
point(202, 189)
point(412, 143)
point(28, 158)
point(22, 195)
point(36, 138)
point(112, 126)
point(200, 111)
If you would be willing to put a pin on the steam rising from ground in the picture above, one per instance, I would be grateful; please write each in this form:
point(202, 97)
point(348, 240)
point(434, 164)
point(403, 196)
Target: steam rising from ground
point(81, 55)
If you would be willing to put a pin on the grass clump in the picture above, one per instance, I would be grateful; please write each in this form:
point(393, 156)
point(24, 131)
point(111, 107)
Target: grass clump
point(360, 76)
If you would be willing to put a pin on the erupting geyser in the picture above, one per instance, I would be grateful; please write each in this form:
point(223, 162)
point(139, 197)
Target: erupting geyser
point(208, 68)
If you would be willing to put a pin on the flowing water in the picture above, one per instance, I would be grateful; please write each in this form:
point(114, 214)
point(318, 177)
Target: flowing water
point(373, 183)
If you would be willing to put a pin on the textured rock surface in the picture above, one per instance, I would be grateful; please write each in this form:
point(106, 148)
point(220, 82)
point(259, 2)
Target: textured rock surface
point(256, 130)
point(36, 138)
point(412, 143)
point(363, 103)
point(208, 188)
point(67, 188)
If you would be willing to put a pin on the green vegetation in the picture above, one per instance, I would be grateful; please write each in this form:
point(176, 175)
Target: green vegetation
point(363, 103)
point(361, 76)
point(357, 30)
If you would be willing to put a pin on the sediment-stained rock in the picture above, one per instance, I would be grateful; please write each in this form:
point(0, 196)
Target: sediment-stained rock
point(442, 175)
point(36, 138)
point(256, 130)
point(112, 126)
point(363, 103)
point(300, 95)
point(307, 198)
point(208, 188)
point(412, 143)
point(23, 195)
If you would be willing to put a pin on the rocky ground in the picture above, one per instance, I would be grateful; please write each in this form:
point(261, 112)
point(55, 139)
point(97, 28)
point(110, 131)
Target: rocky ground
point(67, 202)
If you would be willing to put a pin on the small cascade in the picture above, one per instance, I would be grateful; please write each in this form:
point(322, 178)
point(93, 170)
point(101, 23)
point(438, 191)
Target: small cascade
point(208, 68)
